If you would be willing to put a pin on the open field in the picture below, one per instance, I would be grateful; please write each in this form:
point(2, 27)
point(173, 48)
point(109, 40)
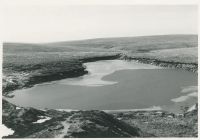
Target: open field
point(182, 55)
point(133, 44)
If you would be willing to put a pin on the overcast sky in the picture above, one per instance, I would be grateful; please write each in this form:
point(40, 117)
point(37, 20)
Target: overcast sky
point(42, 23)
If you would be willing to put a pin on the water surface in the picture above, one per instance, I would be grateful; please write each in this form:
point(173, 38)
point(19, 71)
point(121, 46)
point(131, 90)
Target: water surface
point(115, 85)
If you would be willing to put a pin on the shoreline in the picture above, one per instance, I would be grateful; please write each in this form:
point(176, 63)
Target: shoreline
point(31, 81)
point(192, 67)
point(11, 94)
point(145, 122)
point(95, 60)
point(27, 81)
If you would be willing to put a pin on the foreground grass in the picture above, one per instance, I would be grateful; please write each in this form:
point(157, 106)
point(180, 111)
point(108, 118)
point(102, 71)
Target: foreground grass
point(97, 124)
point(163, 124)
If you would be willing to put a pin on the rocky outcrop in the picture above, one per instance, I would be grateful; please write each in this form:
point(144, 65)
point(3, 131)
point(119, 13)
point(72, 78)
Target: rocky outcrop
point(193, 67)
point(88, 124)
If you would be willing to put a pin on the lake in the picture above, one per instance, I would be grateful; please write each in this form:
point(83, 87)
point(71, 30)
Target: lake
point(115, 85)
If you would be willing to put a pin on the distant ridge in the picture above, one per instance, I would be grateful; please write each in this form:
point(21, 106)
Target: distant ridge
point(107, 38)
point(123, 37)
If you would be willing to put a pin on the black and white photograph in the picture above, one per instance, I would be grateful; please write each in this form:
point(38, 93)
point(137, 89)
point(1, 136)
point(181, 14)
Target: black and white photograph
point(99, 70)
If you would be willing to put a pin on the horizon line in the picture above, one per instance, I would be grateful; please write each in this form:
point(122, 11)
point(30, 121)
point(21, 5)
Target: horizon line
point(76, 40)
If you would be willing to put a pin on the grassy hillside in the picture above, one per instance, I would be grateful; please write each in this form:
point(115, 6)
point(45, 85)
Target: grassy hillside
point(182, 55)
point(27, 64)
point(135, 43)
